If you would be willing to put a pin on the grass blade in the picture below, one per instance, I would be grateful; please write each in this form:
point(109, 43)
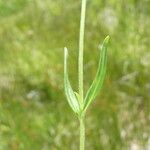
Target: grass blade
point(100, 75)
point(72, 100)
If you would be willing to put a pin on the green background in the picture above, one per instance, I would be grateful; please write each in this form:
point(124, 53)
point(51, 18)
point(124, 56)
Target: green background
point(34, 113)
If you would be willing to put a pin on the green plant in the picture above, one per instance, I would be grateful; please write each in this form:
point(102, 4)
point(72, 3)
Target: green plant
point(77, 102)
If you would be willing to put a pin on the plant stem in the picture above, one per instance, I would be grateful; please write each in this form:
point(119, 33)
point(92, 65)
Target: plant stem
point(80, 67)
point(81, 48)
point(82, 133)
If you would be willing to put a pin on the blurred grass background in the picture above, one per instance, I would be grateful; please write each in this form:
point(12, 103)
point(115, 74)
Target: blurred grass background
point(34, 113)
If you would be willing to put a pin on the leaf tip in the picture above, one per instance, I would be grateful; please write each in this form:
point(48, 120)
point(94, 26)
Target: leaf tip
point(105, 42)
point(107, 39)
point(65, 51)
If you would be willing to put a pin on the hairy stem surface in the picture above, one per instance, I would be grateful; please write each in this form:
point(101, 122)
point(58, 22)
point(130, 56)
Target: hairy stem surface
point(80, 67)
point(81, 48)
point(82, 134)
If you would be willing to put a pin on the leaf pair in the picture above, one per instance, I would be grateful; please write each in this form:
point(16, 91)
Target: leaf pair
point(96, 84)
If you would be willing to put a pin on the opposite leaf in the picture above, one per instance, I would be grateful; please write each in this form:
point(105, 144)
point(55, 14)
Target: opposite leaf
point(72, 100)
point(100, 75)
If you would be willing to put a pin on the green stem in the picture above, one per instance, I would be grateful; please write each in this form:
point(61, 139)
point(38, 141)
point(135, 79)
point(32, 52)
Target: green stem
point(82, 133)
point(81, 48)
point(80, 67)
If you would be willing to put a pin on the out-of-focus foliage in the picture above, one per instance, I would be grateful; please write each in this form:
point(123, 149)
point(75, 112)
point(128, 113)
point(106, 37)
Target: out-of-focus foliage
point(32, 36)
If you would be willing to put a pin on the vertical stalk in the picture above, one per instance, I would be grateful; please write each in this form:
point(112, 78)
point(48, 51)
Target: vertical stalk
point(81, 48)
point(82, 133)
point(80, 67)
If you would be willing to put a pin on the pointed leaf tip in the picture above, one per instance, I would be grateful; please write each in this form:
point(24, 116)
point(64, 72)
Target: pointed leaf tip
point(105, 43)
point(65, 51)
point(106, 40)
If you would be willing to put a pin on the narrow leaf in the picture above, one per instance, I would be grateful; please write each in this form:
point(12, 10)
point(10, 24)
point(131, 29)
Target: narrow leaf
point(100, 75)
point(72, 100)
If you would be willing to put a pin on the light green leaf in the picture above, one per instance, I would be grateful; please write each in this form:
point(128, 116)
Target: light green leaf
point(100, 76)
point(72, 100)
